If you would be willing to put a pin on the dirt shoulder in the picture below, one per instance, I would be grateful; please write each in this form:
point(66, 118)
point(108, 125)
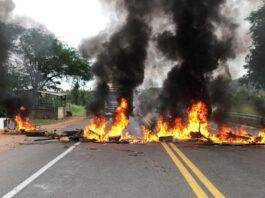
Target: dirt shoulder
point(63, 124)
point(11, 141)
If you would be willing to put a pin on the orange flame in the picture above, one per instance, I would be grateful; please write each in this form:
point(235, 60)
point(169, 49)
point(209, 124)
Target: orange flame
point(197, 118)
point(197, 122)
point(261, 137)
point(22, 108)
point(196, 127)
point(96, 129)
point(149, 136)
point(228, 135)
point(23, 124)
point(121, 121)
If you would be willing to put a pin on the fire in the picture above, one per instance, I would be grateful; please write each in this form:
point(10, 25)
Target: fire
point(228, 135)
point(197, 122)
point(22, 108)
point(196, 127)
point(127, 137)
point(149, 136)
point(121, 121)
point(261, 137)
point(23, 123)
point(97, 130)
point(197, 118)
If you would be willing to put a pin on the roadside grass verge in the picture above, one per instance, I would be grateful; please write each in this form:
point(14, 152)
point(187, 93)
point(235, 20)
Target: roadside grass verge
point(77, 110)
point(245, 109)
point(44, 121)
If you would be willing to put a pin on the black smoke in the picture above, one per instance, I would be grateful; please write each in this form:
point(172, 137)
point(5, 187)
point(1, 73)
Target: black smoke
point(97, 104)
point(221, 98)
point(122, 60)
point(197, 48)
point(13, 105)
point(10, 102)
point(5, 45)
point(6, 7)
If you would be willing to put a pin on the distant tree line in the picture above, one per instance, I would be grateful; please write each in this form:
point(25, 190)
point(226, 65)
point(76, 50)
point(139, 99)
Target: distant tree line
point(255, 61)
point(78, 96)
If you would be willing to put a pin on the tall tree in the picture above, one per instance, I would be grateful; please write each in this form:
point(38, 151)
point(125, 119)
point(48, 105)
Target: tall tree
point(75, 93)
point(78, 96)
point(44, 60)
point(255, 61)
point(8, 36)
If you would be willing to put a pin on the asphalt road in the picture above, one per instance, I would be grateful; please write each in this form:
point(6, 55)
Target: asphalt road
point(121, 171)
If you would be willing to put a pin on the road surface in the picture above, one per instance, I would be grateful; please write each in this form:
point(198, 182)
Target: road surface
point(130, 171)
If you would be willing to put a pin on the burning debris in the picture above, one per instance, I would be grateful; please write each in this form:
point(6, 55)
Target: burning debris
point(196, 129)
point(198, 49)
point(121, 62)
point(97, 129)
point(11, 106)
point(23, 123)
point(200, 43)
point(23, 126)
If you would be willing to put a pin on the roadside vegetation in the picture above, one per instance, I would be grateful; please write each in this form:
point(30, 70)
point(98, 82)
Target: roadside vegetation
point(241, 98)
point(245, 109)
point(39, 122)
point(77, 110)
point(77, 100)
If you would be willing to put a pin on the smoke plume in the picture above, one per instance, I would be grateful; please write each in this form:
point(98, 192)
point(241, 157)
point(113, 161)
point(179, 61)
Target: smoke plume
point(6, 7)
point(194, 40)
point(122, 60)
point(8, 100)
point(198, 48)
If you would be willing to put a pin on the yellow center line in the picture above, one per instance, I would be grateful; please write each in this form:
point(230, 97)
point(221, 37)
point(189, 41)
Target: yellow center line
point(191, 181)
point(198, 173)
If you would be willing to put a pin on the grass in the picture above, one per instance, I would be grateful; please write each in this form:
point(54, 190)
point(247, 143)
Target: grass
point(44, 121)
point(245, 109)
point(77, 110)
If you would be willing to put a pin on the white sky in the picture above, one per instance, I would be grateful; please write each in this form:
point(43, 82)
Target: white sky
point(73, 20)
point(70, 20)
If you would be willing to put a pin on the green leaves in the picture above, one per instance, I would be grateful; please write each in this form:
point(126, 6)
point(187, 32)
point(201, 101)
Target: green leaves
point(256, 59)
point(47, 60)
point(69, 62)
point(78, 96)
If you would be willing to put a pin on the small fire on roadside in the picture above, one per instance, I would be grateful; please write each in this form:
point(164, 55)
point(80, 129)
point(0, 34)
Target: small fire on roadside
point(23, 123)
point(196, 128)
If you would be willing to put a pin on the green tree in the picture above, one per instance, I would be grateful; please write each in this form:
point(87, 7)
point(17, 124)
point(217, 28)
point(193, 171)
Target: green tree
point(43, 61)
point(256, 59)
point(8, 36)
point(78, 96)
point(75, 94)
point(84, 97)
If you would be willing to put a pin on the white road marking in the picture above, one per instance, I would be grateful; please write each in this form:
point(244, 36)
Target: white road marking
point(25, 183)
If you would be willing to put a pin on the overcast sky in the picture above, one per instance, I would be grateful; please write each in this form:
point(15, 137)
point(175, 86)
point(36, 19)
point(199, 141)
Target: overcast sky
point(74, 20)
point(70, 20)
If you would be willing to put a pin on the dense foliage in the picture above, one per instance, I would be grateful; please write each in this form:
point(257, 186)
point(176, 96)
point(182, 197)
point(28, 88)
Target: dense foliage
point(256, 59)
point(42, 61)
point(78, 96)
